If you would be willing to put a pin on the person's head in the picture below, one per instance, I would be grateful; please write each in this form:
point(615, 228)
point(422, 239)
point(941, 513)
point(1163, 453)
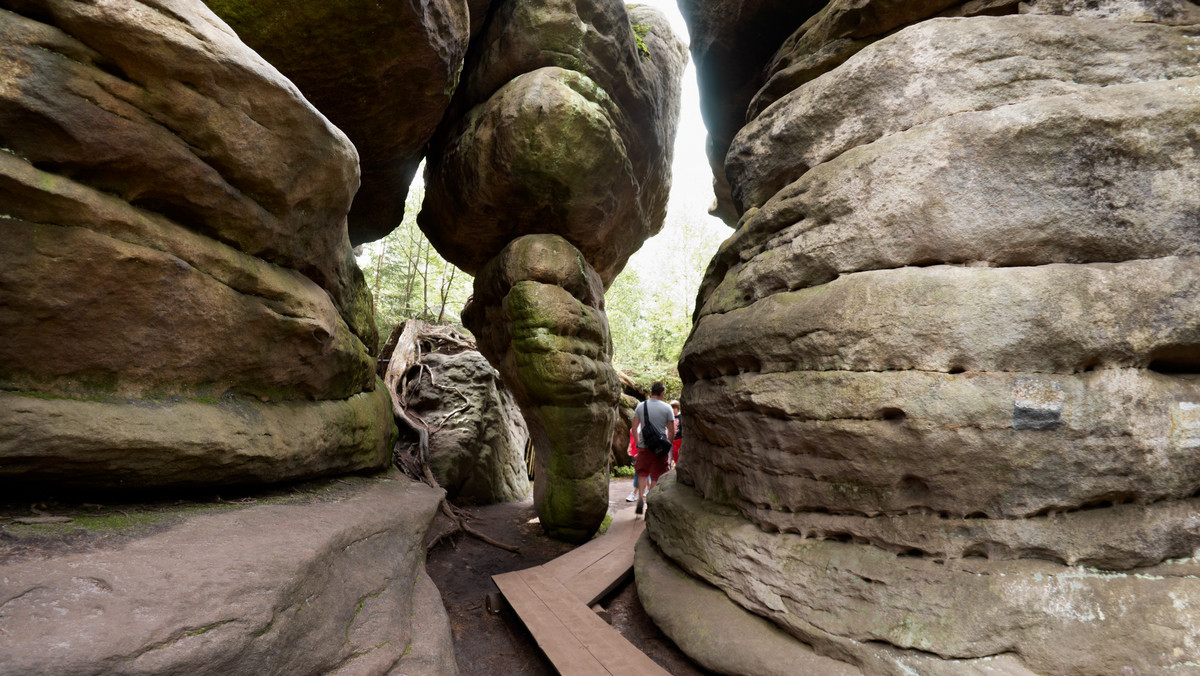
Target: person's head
point(675, 405)
point(657, 389)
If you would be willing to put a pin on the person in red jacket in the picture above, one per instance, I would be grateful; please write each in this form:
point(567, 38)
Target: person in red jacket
point(678, 440)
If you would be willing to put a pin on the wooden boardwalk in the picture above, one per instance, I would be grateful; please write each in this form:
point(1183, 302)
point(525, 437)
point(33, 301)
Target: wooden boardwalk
point(554, 599)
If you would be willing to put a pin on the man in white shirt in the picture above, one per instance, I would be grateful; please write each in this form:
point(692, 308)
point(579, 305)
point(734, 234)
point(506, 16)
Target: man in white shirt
point(649, 465)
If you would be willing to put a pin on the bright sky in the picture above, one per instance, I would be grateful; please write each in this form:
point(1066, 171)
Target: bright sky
point(691, 184)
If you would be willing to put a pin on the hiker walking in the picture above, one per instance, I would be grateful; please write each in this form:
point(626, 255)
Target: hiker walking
point(653, 427)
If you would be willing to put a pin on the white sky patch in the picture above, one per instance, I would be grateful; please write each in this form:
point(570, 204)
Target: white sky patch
point(691, 178)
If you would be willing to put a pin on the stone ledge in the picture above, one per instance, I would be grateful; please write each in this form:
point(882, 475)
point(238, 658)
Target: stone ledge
point(273, 588)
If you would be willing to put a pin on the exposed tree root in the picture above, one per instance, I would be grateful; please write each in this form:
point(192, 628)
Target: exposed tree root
point(412, 339)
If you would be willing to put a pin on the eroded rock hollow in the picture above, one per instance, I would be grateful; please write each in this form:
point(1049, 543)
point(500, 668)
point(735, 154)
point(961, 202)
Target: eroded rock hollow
point(942, 388)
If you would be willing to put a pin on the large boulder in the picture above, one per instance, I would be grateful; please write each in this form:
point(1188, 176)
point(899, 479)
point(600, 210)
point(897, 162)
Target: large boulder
point(331, 579)
point(186, 442)
point(383, 72)
point(538, 314)
point(478, 438)
point(620, 443)
point(564, 123)
point(174, 239)
point(942, 384)
point(550, 169)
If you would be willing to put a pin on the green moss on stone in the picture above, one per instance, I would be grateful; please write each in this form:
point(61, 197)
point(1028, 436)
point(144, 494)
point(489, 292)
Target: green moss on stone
point(640, 31)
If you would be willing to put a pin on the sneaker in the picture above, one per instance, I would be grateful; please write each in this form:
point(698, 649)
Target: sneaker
point(640, 507)
point(631, 497)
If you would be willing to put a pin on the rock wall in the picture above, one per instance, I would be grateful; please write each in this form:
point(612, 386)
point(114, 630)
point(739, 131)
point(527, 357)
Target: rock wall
point(174, 259)
point(551, 167)
point(966, 254)
point(328, 579)
point(382, 72)
point(478, 435)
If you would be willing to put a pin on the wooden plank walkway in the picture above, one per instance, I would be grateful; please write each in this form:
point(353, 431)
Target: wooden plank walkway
point(554, 599)
point(593, 569)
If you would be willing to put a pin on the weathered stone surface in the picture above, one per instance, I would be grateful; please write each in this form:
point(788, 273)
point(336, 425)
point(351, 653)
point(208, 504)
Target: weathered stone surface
point(179, 442)
point(383, 73)
point(952, 341)
point(477, 446)
point(624, 420)
point(1055, 318)
point(1061, 66)
point(143, 307)
point(717, 633)
point(292, 587)
point(855, 602)
point(831, 36)
point(1000, 444)
point(173, 221)
point(561, 125)
point(159, 104)
point(1114, 197)
point(1178, 12)
point(1117, 538)
point(537, 313)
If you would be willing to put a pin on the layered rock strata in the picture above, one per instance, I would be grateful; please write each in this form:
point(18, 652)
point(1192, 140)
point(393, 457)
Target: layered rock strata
point(175, 255)
point(301, 586)
point(383, 73)
point(477, 446)
point(563, 124)
point(538, 313)
point(720, 635)
point(964, 425)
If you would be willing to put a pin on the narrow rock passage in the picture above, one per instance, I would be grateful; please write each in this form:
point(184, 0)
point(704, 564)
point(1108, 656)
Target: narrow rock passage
point(488, 644)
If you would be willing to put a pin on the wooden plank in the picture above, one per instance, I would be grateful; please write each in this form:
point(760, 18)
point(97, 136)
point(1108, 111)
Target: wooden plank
point(562, 647)
point(570, 564)
point(604, 574)
point(605, 644)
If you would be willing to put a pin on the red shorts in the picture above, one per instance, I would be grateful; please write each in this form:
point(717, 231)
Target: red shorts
point(650, 463)
point(675, 450)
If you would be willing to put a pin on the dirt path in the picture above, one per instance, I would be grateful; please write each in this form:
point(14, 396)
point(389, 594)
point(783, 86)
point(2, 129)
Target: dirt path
point(487, 644)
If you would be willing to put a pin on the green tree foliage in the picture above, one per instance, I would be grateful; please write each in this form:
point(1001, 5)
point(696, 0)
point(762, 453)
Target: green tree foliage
point(650, 303)
point(407, 277)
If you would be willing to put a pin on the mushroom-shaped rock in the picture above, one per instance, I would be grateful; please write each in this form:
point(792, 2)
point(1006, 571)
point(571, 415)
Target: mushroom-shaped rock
point(564, 123)
point(538, 314)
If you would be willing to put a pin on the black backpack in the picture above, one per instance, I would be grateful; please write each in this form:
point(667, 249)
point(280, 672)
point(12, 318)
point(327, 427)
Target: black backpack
point(653, 438)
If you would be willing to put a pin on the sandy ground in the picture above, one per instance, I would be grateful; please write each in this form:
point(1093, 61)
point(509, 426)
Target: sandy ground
point(487, 644)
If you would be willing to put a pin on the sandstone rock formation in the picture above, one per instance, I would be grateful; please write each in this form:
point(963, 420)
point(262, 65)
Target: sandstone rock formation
point(720, 635)
point(294, 586)
point(538, 312)
point(477, 446)
point(560, 125)
point(941, 389)
point(551, 167)
point(620, 442)
point(382, 72)
point(174, 256)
